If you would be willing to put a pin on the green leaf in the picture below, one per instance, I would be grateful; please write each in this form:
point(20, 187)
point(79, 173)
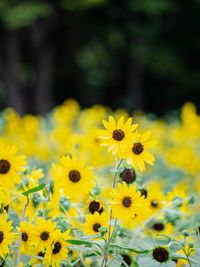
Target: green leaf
point(78, 242)
point(130, 249)
point(83, 242)
point(33, 190)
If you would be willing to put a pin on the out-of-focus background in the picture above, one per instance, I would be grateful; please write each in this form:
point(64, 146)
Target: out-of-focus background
point(137, 54)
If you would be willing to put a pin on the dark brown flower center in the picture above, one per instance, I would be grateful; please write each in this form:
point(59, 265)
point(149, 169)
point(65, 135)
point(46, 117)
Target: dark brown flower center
point(1, 236)
point(24, 236)
point(126, 259)
point(160, 254)
point(4, 166)
point(154, 203)
point(126, 202)
point(57, 248)
point(6, 208)
point(96, 227)
point(118, 135)
point(144, 192)
point(40, 254)
point(44, 236)
point(128, 175)
point(158, 226)
point(74, 176)
point(95, 206)
point(137, 148)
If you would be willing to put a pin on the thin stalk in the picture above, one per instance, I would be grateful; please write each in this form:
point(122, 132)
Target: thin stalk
point(105, 258)
point(188, 259)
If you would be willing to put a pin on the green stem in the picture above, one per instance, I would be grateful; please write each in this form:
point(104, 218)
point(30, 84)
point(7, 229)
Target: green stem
point(189, 262)
point(105, 258)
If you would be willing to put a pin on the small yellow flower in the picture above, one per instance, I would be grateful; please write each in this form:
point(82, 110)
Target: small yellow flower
point(57, 251)
point(44, 231)
point(138, 151)
point(27, 232)
point(160, 227)
point(155, 196)
point(93, 222)
point(117, 134)
point(10, 166)
point(6, 235)
point(125, 202)
point(73, 176)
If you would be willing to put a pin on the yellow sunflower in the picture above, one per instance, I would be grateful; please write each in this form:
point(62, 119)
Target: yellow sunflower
point(6, 236)
point(117, 134)
point(27, 232)
point(137, 153)
point(155, 197)
point(10, 166)
point(178, 198)
point(94, 222)
point(159, 227)
point(58, 250)
point(73, 176)
point(125, 201)
point(44, 230)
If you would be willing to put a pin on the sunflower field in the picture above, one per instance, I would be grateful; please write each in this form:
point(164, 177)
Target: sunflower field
point(96, 187)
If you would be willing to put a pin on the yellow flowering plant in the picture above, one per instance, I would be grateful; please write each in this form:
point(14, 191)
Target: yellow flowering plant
point(92, 187)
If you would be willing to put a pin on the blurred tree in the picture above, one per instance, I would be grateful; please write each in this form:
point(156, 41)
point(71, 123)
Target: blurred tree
point(135, 53)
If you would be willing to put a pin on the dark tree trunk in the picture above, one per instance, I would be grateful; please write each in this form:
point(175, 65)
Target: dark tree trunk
point(11, 73)
point(134, 84)
point(43, 50)
point(43, 89)
point(33, 93)
point(132, 63)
